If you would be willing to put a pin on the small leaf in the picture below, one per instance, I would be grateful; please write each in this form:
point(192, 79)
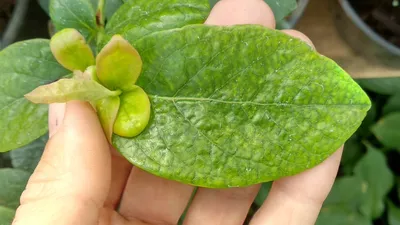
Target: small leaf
point(6, 215)
point(12, 184)
point(393, 105)
point(23, 67)
point(373, 169)
point(27, 158)
point(134, 113)
point(118, 64)
point(387, 130)
point(138, 18)
point(66, 90)
point(77, 14)
point(393, 214)
point(385, 86)
point(263, 193)
point(107, 110)
point(239, 105)
point(70, 49)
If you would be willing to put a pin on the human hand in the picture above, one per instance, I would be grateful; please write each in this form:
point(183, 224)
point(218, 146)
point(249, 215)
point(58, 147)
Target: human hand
point(81, 180)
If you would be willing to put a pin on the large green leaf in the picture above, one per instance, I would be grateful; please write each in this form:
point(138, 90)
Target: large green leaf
point(27, 157)
point(373, 170)
point(393, 105)
point(77, 14)
point(340, 208)
point(234, 106)
point(137, 18)
point(23, 67)
point(281, 8)
point(387, 130)
point(393, 214)
point(12, 184)
point(111, 7)
point(386, 86)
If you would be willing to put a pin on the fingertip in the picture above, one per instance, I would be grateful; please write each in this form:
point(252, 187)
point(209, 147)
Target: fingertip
point(299, 35)
point(79, 114)
point(234, 12)
point(56, 116)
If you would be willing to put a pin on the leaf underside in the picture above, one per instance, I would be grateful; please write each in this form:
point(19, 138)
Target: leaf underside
point(66, 90)
point(235, 106)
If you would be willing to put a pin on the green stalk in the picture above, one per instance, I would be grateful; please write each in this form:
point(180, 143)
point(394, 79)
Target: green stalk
point(100, 13)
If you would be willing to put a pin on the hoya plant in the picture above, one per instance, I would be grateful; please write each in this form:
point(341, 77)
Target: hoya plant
point(204, 105)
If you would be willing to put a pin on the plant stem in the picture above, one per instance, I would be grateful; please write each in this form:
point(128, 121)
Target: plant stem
point(15, 23)
point(100, 13)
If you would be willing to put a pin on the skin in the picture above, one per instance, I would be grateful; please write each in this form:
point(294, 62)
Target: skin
point(81, 180)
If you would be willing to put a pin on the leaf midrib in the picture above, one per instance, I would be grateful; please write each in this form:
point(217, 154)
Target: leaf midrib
point(194, 99)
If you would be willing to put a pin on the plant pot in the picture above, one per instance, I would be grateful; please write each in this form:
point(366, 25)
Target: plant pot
point(362, 38)
point(14, 24)
point(291, 21)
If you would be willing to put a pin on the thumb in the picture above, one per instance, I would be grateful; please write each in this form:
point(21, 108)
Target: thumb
point(72, 180)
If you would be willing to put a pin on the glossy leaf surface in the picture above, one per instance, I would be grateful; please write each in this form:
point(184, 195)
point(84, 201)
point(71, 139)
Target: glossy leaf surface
point(234, 106)
point(23, 67)
point(77, 14)
point(137, 18)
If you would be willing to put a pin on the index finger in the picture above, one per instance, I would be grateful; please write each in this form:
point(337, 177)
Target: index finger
point(298, 199)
